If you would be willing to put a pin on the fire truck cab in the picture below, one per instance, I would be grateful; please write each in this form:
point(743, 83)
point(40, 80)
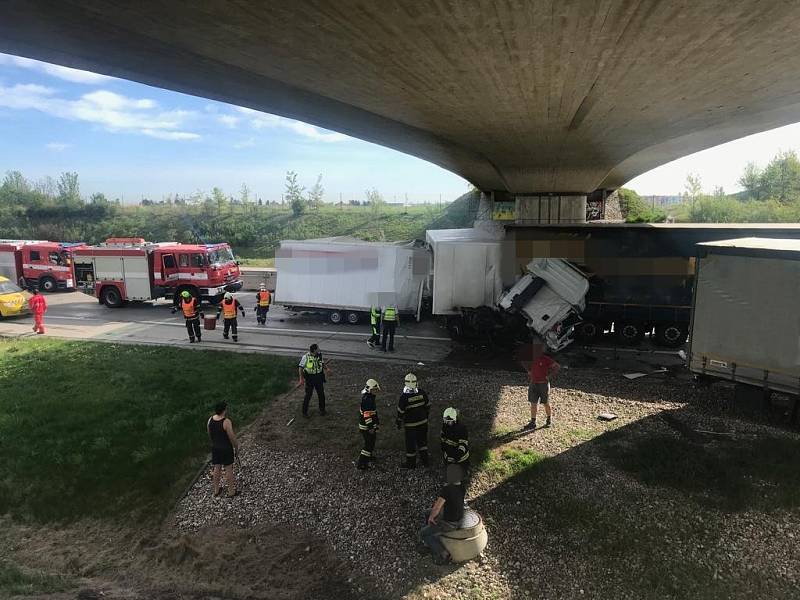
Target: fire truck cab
point(131, 269)
point(45, 265)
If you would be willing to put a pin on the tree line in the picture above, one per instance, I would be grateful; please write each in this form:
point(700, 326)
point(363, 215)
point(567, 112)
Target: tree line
point(55, 209)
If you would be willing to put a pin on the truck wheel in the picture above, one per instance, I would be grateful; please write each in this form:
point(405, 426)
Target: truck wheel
point(671, 335)
point(629, 332)
point(588, 332)
point(353, 318)
point(47, 284)
point(111, 297)
point(335, 317)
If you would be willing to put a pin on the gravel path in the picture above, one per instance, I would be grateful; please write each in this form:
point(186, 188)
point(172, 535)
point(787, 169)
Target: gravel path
point(543, 534)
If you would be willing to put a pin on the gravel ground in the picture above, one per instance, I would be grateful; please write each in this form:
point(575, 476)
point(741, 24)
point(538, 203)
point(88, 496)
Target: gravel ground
point(582, 529)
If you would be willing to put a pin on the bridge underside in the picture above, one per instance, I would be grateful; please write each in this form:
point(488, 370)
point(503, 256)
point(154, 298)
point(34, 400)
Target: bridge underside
point(562, 96)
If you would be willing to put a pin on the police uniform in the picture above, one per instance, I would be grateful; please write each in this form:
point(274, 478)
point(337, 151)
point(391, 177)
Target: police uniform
point(389, 324)
point(314, 376)
point(375, 324)
point(228, 308)
point(368, 426)
point(263, 300)
point(412, 414)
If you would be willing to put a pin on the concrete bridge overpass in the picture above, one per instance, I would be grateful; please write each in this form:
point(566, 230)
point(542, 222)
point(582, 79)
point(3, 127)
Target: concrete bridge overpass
point(520, 97)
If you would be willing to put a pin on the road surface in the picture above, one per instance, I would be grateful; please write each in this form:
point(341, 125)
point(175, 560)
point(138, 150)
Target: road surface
point(75, 315)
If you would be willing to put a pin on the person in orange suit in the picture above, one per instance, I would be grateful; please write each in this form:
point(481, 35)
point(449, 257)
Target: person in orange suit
point(38, 306)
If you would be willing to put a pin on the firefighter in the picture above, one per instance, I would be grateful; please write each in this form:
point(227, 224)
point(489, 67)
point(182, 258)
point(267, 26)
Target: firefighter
point(389, 321)
point(368, 423)
point(375, 324)
point(192, 314)
point(312, 371)
point(455, 441)
point(412, 414)
point(227, 308)
point(38, 306)
point(263, 300)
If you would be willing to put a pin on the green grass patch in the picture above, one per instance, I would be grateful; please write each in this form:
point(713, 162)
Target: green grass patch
point(256, 262)
point(15, 581)
point(759, 473)
point(509, 462)
point(92, 429)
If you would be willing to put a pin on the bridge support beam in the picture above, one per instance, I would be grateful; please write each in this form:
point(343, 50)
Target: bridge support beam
point(550, 208)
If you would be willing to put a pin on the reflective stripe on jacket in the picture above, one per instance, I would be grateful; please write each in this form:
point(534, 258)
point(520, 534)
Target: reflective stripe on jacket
point(229, 309)
point(189, 308)
point(313, 364)
point(390, 313)
point(263, 298)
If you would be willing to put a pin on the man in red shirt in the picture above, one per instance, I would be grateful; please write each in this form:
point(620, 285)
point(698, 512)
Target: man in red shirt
point(38, 306)
point(542, 368)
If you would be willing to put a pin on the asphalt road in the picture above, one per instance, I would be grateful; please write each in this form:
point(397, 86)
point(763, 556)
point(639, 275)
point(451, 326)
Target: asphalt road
point(78, 316)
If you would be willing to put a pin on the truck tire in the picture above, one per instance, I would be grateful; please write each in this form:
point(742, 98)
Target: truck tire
point(671, 335)
point(588, 332)
point(353, 318)
point(111, 297)
point(629, 332)
point(335, 317)
point(47, 284)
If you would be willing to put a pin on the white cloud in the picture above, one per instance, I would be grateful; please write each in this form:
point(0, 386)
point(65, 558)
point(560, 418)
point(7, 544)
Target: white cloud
point(228, 120)
point(65, 73)
point(248, 143)
point(260, 120)
point(112, 111)
point(57, 146)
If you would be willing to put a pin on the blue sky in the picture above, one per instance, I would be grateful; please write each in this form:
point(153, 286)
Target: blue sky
point(130, 140)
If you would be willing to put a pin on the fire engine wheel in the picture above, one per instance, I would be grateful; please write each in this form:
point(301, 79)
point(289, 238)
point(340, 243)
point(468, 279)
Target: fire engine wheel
point(353, 318)
point(671, 335)
point(629, 332)
point(588, 332)
point(47, 284)
point(111, 297)
point(335, 317)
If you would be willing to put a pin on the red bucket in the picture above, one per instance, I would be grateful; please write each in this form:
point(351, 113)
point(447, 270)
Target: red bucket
point(209, 323)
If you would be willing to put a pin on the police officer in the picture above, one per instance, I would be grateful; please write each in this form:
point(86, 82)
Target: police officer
point(312, 371)
point(389, 324)
point(455, 441)
point(263, 300)
point(192, 313)
point(227, 308)
point(412, 414)
point(375, 324)
point(368, 423)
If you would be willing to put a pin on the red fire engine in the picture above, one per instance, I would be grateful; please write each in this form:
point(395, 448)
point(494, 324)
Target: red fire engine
point(46, 265)
point(125, 269)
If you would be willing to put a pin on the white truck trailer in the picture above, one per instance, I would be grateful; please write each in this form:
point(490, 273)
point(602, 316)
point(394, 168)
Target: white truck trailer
point(342, 276)
point(745, 325)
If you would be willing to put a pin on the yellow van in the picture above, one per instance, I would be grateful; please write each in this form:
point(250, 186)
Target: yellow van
point(13, 300)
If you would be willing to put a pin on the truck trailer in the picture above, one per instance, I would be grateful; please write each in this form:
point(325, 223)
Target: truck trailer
point(342, 277)
point(131, 269)
point(40, 264)
point(641, 275)
point(745, 326)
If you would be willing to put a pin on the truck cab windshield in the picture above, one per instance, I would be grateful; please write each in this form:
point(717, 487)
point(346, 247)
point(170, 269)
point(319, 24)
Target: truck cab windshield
point(6, 287)
point(220, 256)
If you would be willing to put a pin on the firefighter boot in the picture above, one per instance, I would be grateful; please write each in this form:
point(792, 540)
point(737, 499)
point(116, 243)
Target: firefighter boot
point(423, 457)
point(236, 338)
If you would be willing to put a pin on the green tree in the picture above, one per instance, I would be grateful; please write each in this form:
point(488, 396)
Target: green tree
point(693, 187)
point(15, 183)
point(294, 194)
point(316, 193)
point(219, 199)
point(69, 190)
point(751, 181)
point(375, 200)
point(781, 179)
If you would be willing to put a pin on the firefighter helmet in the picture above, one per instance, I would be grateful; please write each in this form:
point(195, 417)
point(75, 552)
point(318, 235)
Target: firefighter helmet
point(372, 385)
point(228, 296)
point(263, 287)
point(411, 381)
point(186, 294)
point(450, 415)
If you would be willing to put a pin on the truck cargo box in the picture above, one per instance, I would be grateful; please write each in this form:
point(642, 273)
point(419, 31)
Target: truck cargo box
point(745, 320)
point(466, 269)
point(343, 273)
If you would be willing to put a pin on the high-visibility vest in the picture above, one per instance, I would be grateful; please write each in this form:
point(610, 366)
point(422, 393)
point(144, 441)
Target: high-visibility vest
point(374, 315)
point(189, 308)
point(313, 364)
point(263, 298)
point(229, 309)
point(390, 313)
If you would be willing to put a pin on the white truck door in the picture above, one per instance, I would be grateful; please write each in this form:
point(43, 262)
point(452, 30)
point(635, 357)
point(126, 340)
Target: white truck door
point(137, 277)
